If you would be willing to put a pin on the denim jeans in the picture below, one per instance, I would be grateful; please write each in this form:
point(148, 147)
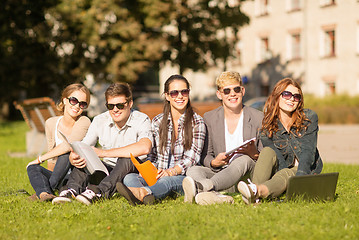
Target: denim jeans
point(44, 180)
point(164, 187)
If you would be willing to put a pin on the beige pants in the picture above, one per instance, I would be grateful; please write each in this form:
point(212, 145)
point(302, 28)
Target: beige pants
point(266, 173)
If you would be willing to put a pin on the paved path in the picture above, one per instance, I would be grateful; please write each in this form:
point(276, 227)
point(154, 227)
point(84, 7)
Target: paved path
point(339, 143)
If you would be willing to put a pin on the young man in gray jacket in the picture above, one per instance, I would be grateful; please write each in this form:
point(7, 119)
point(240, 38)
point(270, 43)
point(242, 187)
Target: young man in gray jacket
point(228, 127)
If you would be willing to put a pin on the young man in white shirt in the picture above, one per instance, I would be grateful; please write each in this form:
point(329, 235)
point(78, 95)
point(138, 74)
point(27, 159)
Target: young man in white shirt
point(228, 126)
point(120, 131)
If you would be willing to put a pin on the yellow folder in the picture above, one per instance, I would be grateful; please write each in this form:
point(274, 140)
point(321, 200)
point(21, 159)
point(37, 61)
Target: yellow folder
point(147, 170)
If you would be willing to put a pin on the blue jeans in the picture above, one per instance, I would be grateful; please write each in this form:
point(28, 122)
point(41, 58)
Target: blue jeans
point(163, 187)
point(44, 180)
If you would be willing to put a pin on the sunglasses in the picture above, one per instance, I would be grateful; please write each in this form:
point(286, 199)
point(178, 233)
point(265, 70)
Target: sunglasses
point(73, 101)
point(119, 106)
point(227, 91)
point(288, 95)
point(174, 93)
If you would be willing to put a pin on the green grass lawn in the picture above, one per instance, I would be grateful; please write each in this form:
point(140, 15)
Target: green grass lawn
point(171, 219)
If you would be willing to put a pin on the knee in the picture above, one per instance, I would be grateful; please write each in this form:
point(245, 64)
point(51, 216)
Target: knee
point(129, 178)
point(32, 168)
point(268, 151)
point(243, 160)
point(192, 170)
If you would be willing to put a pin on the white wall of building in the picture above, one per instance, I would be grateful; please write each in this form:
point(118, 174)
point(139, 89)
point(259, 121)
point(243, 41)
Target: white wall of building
point(320, 74)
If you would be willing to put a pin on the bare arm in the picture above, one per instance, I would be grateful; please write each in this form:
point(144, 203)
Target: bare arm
point(77, 133)
point(142, 147)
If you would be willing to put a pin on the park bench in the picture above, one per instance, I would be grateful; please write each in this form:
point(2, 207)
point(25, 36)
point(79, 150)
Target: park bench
point(153, 109)
point(35, 112)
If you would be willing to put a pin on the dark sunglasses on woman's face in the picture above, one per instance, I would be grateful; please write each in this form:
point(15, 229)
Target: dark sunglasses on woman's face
point(73, 101)
point(227, 91)
point(174, 93)
point(288, 95)
point(119, 106)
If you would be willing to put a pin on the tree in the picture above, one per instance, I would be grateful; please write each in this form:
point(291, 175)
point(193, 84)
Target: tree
point(45, 45)
point(106, 38)
point(26, 62)
point(204, 33)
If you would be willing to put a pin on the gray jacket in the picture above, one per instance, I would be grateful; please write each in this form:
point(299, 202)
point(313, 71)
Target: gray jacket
point(215, 140)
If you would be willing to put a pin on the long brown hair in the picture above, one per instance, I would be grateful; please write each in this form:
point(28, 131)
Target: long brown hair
point(271, 108)
point(167, 111)
point(69, 90)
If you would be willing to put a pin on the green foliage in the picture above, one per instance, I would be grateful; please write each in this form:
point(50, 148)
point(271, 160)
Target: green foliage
point(56, 42)
point(336, 109)
point(171, 219)
point(26, 62)
point(205, 33)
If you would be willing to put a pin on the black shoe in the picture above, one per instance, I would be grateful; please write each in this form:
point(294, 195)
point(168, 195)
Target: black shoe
point(88, 197)
point(126, 193)
point(65, 196)
point(149, 199)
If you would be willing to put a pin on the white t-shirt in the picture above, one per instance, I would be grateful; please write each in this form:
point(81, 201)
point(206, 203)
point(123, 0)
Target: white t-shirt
point(236, 139)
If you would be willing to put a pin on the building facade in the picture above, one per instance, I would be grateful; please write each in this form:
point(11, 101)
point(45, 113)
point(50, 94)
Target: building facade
point(313, 41)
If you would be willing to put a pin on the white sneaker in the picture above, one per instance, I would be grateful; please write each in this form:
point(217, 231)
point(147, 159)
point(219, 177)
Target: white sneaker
point(208, 198)
point(65, 196)
point(88, 197)
point(189, 188)
point(248, 191)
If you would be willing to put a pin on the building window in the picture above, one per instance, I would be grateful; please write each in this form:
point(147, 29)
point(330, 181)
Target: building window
point(293, 5)
point(330, 86)
point(327, 43)
point(325, 3)
point(294, 46)
point(262, 7)
point(263, 52)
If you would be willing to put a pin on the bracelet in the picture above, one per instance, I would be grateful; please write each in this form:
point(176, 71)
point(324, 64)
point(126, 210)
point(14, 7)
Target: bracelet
point(39, 159)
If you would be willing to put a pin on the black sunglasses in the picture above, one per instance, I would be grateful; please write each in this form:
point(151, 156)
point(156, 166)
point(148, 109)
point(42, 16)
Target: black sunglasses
point(288, 95)
point(174, 93)
point(227, 91)
point(119, 106)
point(73, 101)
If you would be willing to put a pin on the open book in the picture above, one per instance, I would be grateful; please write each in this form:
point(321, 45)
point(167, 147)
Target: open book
point(93, 162)
point(147, 170)
point(246, 148)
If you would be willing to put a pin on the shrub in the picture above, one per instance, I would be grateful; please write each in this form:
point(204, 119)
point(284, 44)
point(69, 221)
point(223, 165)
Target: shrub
point(336, 109)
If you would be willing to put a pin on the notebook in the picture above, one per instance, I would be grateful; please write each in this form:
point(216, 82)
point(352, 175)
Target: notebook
point(147, 170)
point(313, 187)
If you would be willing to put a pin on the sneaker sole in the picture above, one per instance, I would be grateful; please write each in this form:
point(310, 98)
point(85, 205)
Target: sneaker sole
point(244, 190)
point(83, 200)
point(60, 200)
point(189, 188)
point(209, 198)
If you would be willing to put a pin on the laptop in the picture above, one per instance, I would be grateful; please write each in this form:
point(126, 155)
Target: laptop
point(313, 187)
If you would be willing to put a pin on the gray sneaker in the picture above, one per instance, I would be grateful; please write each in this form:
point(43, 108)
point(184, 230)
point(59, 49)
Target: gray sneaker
point(189, 188)
point(208, 198)
point(65, 196)
point(249, 191)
